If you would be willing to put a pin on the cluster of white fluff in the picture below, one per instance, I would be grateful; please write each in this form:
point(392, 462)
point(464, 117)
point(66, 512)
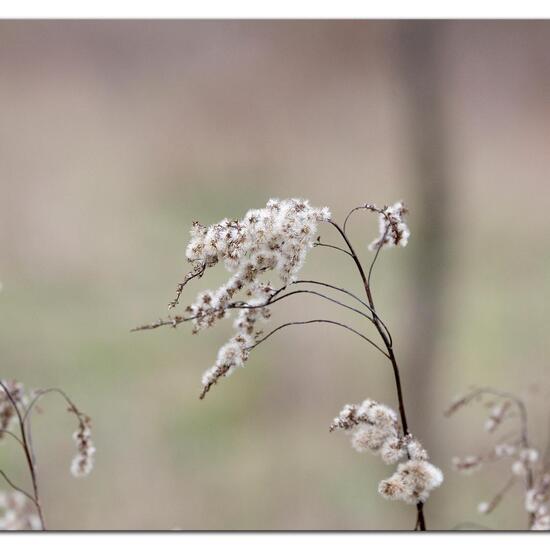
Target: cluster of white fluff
point(7, 411)
point(374, 427)
point(83, 461)
point(413, 482)
point(275, 238)
point(17, 513)
point(393, 230)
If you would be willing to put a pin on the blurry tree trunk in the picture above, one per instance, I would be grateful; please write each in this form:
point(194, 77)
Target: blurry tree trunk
point(421, 70)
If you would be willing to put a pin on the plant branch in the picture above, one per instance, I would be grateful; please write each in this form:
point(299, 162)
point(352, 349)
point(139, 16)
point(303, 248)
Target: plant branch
point(421, 522)
point(16, 488)
point(328, 321)
point(41, 393)
point(319, 243)
point(11, 434)
point(28, 454)
point(197, 271)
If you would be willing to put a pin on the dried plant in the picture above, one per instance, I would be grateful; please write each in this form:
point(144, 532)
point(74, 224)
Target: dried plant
point(526, 465)
point(21, 509)
point(276, 239)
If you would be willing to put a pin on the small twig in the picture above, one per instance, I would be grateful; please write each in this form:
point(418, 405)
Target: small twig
point(362, 207)
point(11, 434)
point(170, 321)
point(275, 297)
point(16, 488)
point(378, 248)
point(319, 243)
point(197, 271)
point(244, 305)
point(28, 454)
point(343, 290)
point(328, 321)
point(41, 393)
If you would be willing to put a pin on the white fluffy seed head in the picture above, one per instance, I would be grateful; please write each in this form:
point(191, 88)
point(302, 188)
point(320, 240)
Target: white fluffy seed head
point(374, 427)
point(276, 239)
point(415, 450)
point(392, 229)
point(83, 462)
point(368, 437)
point(392, 450)
point(412, 483)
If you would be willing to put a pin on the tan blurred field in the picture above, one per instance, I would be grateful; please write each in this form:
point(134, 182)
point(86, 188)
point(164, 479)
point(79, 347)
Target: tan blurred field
point(114, 136)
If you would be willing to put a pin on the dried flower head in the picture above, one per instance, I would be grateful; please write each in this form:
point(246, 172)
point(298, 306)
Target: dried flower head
point(276, 237)
point(273, 239)
point(393, 231)
point(412, 483)
point(276, 240)
point(83, 461)
point(374, 427)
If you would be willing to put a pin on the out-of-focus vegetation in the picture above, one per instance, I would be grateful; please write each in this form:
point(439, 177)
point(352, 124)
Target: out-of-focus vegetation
point(116, 135)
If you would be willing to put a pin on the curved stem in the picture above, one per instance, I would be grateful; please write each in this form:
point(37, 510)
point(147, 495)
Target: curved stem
point(328, 321)
point(197, 271)
point(378, 248)
point(28, 454)
point(378, 325)
point(178, 319)
point(42, 393)
point(325, 297)
point(331, 246)
point(11, 434)
point(343, 290)
point(350, 213)
point(421, 522)
point(16, 488)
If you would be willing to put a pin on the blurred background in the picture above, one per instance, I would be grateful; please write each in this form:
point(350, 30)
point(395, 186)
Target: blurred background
point(114, 136)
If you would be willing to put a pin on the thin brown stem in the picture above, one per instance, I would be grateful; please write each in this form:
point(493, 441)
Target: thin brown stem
point(198, 271)
point(343, 290)
point(28, 455)
point(328, 321)
point(178, 319)
point(421, 521)
point(11, 434)
point(41, 393)
point(17, 488)
point(244, 305)
point(318, 243)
